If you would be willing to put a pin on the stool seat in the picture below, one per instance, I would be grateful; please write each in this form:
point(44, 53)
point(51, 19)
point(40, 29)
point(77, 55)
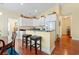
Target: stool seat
point(35, 37)
point(26, 35)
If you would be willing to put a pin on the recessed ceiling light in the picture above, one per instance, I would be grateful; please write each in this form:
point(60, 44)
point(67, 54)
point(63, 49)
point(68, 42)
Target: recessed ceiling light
point(21, 3)
point(36, 10)
point(1, 13)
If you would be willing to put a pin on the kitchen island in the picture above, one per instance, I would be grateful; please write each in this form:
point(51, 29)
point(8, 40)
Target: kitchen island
point(48, 39)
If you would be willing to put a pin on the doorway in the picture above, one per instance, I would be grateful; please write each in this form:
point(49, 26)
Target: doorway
point(11, 25)
point(66, 24)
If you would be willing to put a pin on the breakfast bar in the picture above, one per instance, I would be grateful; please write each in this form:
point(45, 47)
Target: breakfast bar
point(48, 39)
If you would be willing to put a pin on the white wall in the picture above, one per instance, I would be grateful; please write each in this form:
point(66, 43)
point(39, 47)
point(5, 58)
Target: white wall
point(4, 25)
point(72, 10)
point(4, 20)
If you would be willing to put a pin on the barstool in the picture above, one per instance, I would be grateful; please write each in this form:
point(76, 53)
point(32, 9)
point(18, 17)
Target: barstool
point(35, 39)
point(25, 38)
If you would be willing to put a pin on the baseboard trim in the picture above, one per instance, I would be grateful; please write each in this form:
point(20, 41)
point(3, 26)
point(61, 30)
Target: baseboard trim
point(53, 49)
point(75, 38)
point(47, 51)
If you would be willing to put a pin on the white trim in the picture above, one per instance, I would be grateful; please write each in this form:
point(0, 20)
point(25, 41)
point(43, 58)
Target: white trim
point(75, 38)
point(52, 49)
point(46, 50)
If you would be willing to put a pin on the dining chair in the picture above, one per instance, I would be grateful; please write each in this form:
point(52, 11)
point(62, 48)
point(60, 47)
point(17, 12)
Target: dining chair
point(2, 46)
point(13, 38)
point(10, 45)
point(6, 49)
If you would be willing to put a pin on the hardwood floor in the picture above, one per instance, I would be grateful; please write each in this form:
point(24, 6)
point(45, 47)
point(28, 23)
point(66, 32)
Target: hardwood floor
point(67, 46)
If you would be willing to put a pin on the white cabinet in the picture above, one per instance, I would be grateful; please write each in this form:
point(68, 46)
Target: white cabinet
point(51, 17)
point(50, 25)
point(35, 22)
point(40, 22)
point(50, 22)
point(27, 22)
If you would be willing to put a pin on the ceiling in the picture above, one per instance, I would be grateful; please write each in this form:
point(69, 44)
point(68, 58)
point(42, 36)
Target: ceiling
point(31, 9)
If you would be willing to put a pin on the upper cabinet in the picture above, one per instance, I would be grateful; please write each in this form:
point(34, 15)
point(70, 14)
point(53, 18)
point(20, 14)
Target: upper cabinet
point(27, 22)
point(51, 17)
point(50, 22)
point(36, 22)
point(39, 22)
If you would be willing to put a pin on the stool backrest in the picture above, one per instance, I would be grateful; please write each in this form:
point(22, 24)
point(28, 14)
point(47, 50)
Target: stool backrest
point(13, 38)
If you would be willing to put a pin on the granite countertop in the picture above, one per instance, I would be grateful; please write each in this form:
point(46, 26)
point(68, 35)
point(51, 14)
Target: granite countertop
point(34, 29)
point(39, 30)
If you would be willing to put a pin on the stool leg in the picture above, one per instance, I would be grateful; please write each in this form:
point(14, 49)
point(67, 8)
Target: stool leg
point(26, 42)
point(40, 45)
point(35, 47)
point(30, 45)
point(22, 40)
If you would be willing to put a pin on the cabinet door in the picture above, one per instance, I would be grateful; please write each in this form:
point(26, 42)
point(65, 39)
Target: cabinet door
point(27, 22)
point(35, 22)
point(50, 25)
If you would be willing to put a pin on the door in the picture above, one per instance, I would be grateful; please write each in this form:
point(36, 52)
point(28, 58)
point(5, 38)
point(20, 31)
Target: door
point(66, 24)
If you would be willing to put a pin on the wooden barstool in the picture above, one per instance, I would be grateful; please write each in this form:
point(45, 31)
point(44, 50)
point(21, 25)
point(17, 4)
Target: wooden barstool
point(25, 39)
point(35, 39)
